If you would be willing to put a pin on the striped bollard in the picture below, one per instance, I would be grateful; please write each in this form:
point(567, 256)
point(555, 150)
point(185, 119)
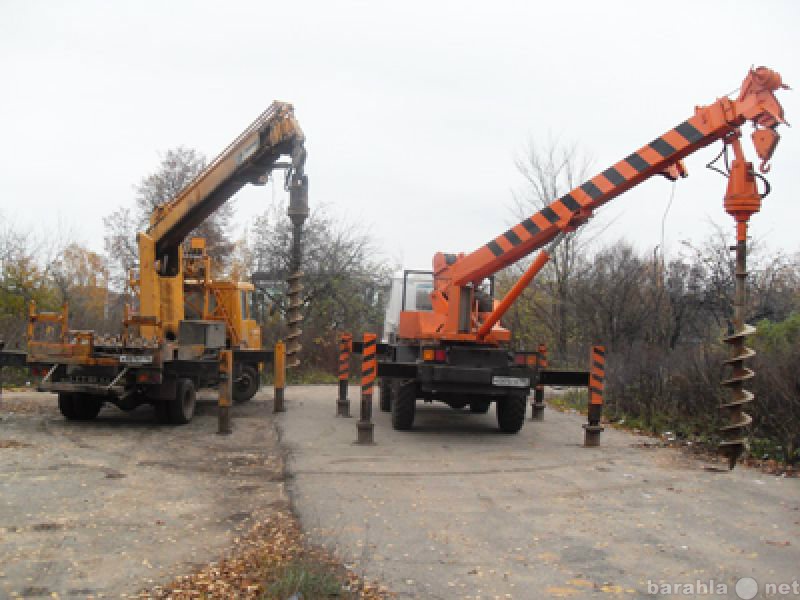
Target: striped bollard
point(345, 347)
point(597, 377)
point(369, 365)
point(537, 408)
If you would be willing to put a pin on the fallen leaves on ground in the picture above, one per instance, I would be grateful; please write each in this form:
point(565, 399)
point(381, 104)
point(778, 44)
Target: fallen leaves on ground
point(13, 444)
point(274, 546)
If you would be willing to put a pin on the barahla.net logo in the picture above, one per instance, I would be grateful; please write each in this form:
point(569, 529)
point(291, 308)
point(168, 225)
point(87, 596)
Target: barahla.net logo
point(745, 588)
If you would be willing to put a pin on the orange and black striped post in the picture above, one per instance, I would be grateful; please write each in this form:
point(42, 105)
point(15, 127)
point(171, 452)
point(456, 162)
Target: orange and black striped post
point(537, 408)
point(345, 348)
point(597, 377)
point(369, 367)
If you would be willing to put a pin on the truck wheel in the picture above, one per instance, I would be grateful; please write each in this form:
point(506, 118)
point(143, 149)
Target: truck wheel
point(480, 407)
point(79, 407)
point(404, 404)
point(386, 395)
point(66, 404)
point(246, 386)
point(511, 412)
point(181, 407)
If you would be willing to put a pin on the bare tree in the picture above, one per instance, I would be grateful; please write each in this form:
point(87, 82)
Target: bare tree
point(772, 279)
point(551, 170)
point(177, 168)
point(120, 244)
point(777, 385)
point(611, 296)
point(81, 280)
point(345, 278)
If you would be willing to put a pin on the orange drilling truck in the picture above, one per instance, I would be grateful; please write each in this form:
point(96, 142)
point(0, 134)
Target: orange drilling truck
point(446, 342)
point(184, 317)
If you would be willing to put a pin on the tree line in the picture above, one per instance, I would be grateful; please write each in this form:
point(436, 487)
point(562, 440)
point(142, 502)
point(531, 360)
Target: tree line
point(345, 281)
point(660, 317)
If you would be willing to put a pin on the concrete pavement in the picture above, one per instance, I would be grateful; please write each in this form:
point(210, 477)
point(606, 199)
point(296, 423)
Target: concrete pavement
point(455, 509)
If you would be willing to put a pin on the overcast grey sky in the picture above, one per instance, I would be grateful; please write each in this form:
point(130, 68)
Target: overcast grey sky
point(414, 111)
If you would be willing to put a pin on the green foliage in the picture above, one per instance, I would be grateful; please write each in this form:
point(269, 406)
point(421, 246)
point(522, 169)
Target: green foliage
point(14, 377)
point(25, 276)
point(769, 449)
point(311, 376)
point(305, 580)
point(303, 376)
point(780, 337)
point(575, 399)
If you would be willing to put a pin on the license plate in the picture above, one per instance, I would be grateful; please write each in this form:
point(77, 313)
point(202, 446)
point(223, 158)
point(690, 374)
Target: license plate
point(135, 359)
point(520, 382)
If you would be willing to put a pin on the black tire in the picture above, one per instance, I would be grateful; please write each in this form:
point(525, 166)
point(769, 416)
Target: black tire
point(181, 407)
point(66, 404)
point(511, 412)
point(246, 386)
point(386, 395)
point(456, 405)
point(479, 407)
point(404, 404)
point(79, 407)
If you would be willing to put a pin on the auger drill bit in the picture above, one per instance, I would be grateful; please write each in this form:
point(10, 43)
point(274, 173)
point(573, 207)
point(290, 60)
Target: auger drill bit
point(742, 199)
point(298, 212)
point(294, 319)
point(733, 442)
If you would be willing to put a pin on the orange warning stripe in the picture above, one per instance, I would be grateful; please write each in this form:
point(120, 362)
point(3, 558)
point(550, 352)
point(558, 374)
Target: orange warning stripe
point(597, 374)
point(369, 363)
point(541, 227)
point(345, 346)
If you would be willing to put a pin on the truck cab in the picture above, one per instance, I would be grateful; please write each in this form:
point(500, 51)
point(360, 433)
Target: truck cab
point(457, 374)
point(410, 290)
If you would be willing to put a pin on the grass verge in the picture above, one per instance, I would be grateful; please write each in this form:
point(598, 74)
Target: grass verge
point(762, 455)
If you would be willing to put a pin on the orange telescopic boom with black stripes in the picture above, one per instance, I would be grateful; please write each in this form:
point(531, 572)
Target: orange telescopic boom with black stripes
point(456, 276)
point(460, 316)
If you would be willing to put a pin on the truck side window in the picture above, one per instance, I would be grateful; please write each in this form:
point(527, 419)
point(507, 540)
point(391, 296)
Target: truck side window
point(418, 288)
point(423, 299)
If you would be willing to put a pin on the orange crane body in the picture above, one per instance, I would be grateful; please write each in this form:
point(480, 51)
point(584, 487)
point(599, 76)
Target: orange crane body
point(456, 351)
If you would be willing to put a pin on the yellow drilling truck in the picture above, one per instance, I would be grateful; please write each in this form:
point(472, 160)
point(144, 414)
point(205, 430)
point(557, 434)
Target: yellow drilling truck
point(170, 343)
